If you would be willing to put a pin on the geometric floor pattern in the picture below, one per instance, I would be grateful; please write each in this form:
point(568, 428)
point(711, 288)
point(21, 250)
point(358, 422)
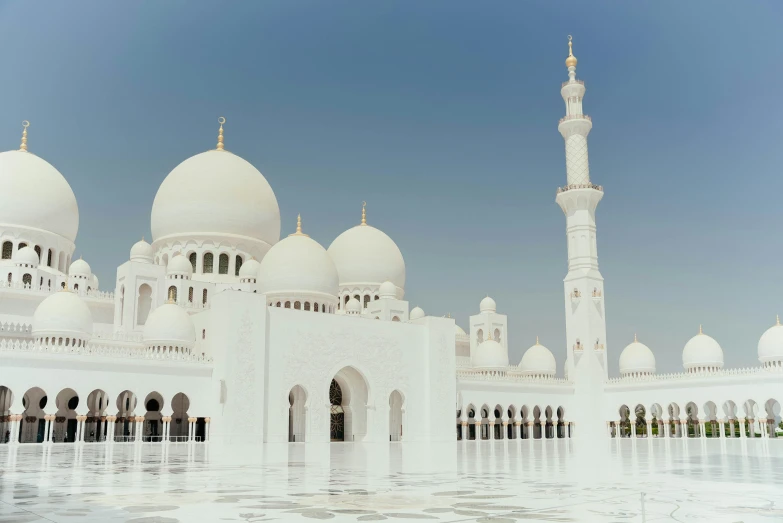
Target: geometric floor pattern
point(611, 481)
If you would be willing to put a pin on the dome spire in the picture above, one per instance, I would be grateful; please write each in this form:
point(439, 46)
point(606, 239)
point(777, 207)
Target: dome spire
point(537, 341)
point(364, 213)
point(777, 319)
point(634, 338)
point(221, 121)
point(298, 226)
point(571, 60)
point(23, 146)
point(700, 329)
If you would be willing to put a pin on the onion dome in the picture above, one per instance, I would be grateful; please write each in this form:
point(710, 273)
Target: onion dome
point(417, 313)
point(353, 306)
point(489, 355)
point(179, 267)
point(81, 269)
point(26, 257)
point(487, 305)
point(702, 352)
point(141, 252)
point(571, 60)
point(35, 195)
point(388, 290)
point(637, 358)
point(298, 265)
point(216, 193)
point(169, 326)
point(62, 319)
point(771, 346)
point(248, 273)
point(538, 361)
point(366, 256)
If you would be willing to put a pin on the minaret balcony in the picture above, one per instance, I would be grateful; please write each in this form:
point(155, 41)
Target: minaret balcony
point(574, 81)
point(575, 117)
point(580, 186)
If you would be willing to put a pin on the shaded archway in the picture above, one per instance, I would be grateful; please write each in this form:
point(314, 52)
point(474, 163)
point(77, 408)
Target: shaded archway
point(711, 427)
point(511, 428)
point(143, 304)
point(732, 427)
point(562, 430)
point(125, 426)
point(537, 432)
point(471, 413)
point(524, 428)
point(692, 420)
point(32, 428)
point(497, 428)
point(774, 426)
point(656, 412)
point(178, 426)
point(751, 418)
point(624, 429)
point(348, 395)
point(549, 433)
point(484, 432)
point(6, 400)
point(95, 425)
point(640, 421)
point(66, 426)
point(297, 414)
point(674, 420)
point(395, 415)
point(153, 418)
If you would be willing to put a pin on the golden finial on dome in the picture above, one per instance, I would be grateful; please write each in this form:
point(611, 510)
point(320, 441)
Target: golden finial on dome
point(571, 60)
point(221, 121)
point(364, 213)
point(777, 319)
point(700, 329)
point(171, 299)
point(537, 341)
point(489, 336)
point(23, 146)
point(298, 227)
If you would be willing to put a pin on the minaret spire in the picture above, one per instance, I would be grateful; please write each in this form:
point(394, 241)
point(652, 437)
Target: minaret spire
point(364, 213)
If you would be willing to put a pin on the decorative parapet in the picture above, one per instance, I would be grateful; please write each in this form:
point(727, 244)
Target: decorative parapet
point(45, 289)
point(15, 329)
point(509, 374)
point(463, 361)
point(575, 117)
point(574, 81)
point(685, 376)
point(102, 350)
point(119, 336)
point(579, 186)
point(462, 338)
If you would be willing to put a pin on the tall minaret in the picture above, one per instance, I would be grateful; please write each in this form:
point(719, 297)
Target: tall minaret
point(583, 285)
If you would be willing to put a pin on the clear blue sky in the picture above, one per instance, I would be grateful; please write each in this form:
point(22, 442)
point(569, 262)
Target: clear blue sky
point(442, 115)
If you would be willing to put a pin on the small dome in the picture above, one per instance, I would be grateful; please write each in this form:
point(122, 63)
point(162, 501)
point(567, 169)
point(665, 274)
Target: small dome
point(489, 354)
point(26, 256)
point(365, 255)
point(298, 264)
point(538, 360)
point(388, 290)
point(179, 265)
point(637, 358)
point(218, 193)
point(487, 305)
point(459, 330)
point(249, 269)
point(62, 314)
point(80, 268)
point(771, 344)
point(353, 306)
point(417, 313)
point(36, 196)
point(141, 252)
point(702, 351)
point(169, 325)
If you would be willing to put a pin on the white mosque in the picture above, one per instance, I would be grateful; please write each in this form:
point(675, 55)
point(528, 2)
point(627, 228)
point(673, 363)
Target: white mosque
point(220, 330)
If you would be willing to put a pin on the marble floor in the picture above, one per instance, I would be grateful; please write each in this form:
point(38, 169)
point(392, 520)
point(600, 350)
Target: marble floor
point(489, 482)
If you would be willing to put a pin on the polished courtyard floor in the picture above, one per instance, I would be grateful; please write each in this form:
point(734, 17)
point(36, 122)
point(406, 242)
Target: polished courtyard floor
point(493, 482)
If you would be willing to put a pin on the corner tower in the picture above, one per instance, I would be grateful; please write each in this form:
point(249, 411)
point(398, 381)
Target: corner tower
point(583, 285)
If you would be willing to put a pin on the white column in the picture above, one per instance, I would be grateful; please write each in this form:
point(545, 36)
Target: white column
point(491, 430)
point(530, 431)
point(206, 429)
point(763, 426)
point(47, 429)
point(649, 429)
point(478, 431)
point(51, 432)
point(741, 422)
point(722, 428)
point(633, 428)
point(702, 429)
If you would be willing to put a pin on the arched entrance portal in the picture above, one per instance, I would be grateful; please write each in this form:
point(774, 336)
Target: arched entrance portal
point(348, 397)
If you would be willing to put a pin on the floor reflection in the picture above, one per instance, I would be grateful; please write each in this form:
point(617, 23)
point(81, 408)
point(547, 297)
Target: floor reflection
point(540, 480)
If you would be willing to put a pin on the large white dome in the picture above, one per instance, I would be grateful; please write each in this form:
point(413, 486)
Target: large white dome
point(366, 255)
point(637, 358)
point(62, 314)
point(489, 354)
point(170, 326)
point(538, 360)
point(771, 344)
point(216, 192)
point(298, 264)
point(35, 195)
point(702, 352)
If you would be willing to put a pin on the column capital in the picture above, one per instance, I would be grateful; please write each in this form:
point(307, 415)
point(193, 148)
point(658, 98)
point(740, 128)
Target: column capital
point(207, 420)
point(139, 418)
point(166, 419)
point(192, 420)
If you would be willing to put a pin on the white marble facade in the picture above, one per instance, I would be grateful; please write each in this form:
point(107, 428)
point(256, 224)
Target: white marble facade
point(219, 329)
